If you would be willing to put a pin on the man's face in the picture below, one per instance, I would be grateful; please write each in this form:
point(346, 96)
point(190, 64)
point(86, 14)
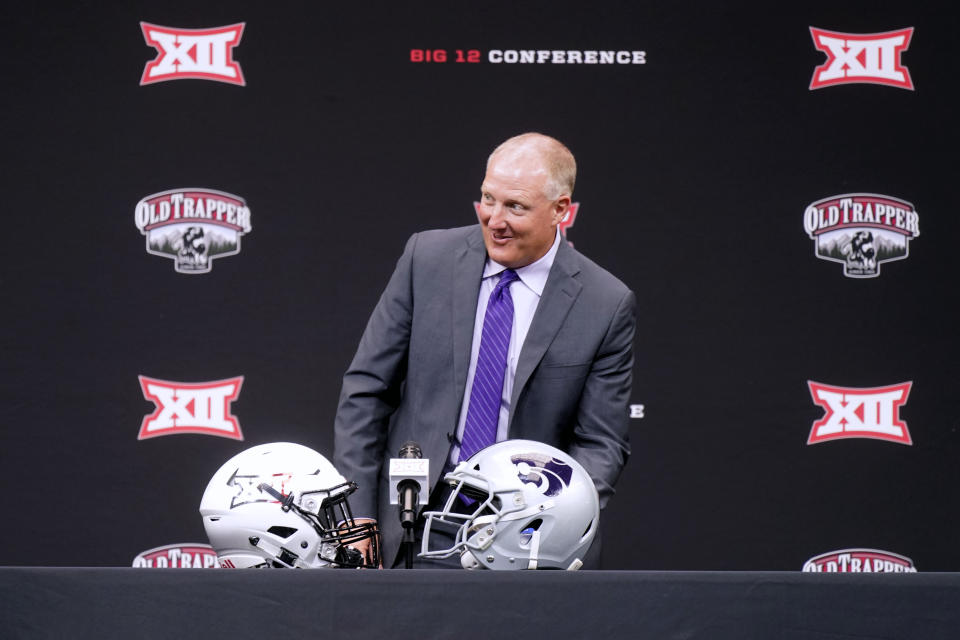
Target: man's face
point(519, 222)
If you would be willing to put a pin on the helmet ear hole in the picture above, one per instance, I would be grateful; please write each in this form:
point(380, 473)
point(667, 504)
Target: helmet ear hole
point(590, 531)
point(526, 534)
point(282, 532)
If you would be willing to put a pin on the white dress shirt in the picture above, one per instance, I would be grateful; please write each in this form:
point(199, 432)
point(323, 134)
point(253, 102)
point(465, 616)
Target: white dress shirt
point(526, 294)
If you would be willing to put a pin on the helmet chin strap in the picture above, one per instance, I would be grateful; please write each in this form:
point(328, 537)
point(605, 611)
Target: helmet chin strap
point(279, 554)
point(534, 550)
point(469, 561)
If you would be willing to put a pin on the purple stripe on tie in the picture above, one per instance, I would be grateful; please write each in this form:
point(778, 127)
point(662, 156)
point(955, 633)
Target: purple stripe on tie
point(483, 414)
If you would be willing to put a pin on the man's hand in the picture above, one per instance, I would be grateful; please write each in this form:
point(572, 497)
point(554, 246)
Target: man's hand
point(363, 546)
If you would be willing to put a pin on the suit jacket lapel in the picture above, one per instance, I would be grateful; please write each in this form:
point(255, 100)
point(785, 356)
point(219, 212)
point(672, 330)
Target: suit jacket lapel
point(559, 294)
point(467, 271)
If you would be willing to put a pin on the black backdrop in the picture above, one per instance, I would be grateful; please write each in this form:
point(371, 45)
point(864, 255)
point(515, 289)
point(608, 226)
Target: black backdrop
point(695, 171)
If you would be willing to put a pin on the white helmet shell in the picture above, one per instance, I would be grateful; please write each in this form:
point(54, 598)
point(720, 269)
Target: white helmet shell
point(277, 505)
point(532, 506)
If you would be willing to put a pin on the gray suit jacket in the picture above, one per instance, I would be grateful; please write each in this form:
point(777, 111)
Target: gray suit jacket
point(408, 377)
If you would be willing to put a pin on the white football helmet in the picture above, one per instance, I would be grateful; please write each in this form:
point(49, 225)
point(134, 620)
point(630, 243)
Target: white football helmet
point(531, 506)
point(283, 505)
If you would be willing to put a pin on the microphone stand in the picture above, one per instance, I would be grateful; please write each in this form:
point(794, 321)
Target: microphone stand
point(408, 518)
point(413, 472)
point(409, 540)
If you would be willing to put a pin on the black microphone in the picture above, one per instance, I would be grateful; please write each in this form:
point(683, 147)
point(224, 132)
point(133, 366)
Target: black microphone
point(408, 488)
point(410, 479)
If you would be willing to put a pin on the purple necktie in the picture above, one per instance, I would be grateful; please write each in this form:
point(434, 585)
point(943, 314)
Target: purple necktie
point(483, 414)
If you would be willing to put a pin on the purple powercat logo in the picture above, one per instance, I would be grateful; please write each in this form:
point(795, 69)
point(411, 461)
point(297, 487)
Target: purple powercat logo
point(549, 475)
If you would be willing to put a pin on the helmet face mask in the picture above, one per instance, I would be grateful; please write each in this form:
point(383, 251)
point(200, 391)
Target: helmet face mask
point(528, 505)
point(284, 505)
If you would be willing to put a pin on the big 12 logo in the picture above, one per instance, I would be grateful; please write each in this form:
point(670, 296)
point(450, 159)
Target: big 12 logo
point(854, 58)
point(203, 54)
point(860, 413)
point(190, 407)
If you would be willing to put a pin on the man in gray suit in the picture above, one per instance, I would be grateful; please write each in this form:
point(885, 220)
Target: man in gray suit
point(568, 367)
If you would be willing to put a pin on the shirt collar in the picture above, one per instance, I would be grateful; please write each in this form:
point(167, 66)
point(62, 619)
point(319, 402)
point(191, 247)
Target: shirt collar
point(535, 274)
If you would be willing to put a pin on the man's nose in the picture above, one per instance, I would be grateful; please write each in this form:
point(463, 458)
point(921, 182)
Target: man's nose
point(497, 217)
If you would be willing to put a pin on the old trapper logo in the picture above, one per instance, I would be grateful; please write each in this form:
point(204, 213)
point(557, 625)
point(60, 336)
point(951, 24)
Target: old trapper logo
point(191, 407)
point(860, 413)
point(193, 226)
point(202, 54)
point(857, 58)
point(859, 561)
point(861, 230)
point(188, 555)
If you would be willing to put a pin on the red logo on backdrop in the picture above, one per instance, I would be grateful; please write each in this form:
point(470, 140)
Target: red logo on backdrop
point(860, 413)
point(178, 556)
point(569, 219)
point(565, 224)
point(191, 407)
point(587, 57)
point(857, 58)
point(202, 54)
point(859, 561)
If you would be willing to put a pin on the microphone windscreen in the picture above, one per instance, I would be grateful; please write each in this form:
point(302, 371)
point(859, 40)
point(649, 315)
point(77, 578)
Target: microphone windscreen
point(410, 450)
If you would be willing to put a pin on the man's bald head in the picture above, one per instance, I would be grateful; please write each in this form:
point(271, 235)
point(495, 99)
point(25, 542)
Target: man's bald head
point(524, 196)
point(557, 161)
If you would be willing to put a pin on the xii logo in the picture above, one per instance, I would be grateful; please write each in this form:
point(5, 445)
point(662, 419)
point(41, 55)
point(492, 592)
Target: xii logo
point(190, 407)
point(204, 54)
point(853, 58)
point(860, 413)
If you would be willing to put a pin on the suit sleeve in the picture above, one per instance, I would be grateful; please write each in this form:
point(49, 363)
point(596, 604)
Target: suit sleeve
point(371, 389)
point(600, 438)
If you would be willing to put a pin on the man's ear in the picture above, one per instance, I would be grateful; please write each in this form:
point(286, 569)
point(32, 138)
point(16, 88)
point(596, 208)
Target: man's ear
point(560, 209)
